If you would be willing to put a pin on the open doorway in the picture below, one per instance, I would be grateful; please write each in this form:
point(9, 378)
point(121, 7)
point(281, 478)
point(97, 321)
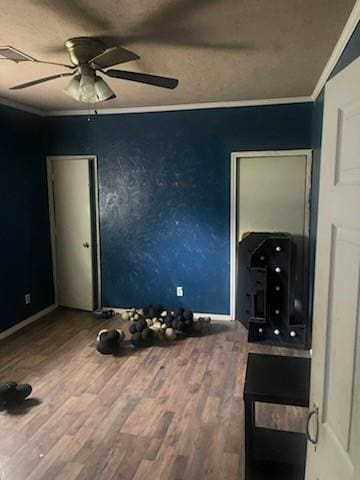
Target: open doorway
point(74, 223)
point(270, 192)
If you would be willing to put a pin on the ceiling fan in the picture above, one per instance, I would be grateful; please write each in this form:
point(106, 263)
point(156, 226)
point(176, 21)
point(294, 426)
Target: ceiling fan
point(89, 57)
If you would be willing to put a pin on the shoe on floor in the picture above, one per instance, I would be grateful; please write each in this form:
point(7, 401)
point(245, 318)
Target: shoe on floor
point(11, 392)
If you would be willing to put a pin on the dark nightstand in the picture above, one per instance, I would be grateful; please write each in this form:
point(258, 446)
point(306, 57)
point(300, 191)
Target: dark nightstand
point(275, 454)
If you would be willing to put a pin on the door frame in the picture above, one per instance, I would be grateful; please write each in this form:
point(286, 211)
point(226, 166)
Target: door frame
point(234, 189)
point(94, 214)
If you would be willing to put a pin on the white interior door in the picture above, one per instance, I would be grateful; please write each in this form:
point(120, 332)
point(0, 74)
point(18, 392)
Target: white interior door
point(73, 239)
point(335, 376)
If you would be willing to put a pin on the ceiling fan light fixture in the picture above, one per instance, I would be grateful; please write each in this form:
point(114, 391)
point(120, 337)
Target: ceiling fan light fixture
point(103, 91)
point(73, 89)
point(100, 92)
point(87, 87)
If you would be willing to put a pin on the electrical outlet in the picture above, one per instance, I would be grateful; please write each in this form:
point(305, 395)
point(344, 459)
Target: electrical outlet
point(179, 291)
point(27, 298)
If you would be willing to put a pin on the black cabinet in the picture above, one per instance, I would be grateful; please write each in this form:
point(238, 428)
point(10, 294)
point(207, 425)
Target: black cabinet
point(275, 454)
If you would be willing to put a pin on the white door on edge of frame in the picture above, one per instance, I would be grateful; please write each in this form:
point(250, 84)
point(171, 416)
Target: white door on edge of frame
point(335, 375)
point(73, 238)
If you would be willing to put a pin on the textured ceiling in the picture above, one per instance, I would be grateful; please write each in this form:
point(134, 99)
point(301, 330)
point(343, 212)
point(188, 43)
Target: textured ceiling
point(220, 50)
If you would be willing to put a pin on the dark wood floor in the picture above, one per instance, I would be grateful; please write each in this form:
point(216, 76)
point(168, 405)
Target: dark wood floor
point(162, 413)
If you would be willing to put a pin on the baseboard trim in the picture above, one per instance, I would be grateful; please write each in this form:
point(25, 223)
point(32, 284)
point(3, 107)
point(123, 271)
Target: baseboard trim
point(214, 316)
point(218, 317)
point(27, 321)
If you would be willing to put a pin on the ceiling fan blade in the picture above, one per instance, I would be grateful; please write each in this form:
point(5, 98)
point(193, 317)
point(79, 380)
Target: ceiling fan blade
point(55, 63)
point(41, 80)
point(155, 80)
point(27, 58)
point(113, 56)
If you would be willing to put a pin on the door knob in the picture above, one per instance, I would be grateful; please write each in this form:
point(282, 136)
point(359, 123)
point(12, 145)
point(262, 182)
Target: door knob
point(86, 245)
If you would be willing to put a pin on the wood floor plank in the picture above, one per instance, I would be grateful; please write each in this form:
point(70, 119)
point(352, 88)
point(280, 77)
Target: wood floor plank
point(171, 412)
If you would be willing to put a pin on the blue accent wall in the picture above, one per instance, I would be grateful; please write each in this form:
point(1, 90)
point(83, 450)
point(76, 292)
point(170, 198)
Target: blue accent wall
point(25, 254)
point(164, 187)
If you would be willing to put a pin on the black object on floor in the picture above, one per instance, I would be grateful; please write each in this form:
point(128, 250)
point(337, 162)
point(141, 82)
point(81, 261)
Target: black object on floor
point(109, 341)
point(104, 313)
point(267, 287)
point(275, 454)
point(11, 393)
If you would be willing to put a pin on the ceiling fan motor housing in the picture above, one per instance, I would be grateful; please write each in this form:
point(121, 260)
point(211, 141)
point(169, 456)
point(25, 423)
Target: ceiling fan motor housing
point(83, 49)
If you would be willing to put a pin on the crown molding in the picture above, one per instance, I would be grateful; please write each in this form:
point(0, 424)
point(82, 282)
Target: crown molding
point(186, 106)
point(22, 107)
point(348, 30)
